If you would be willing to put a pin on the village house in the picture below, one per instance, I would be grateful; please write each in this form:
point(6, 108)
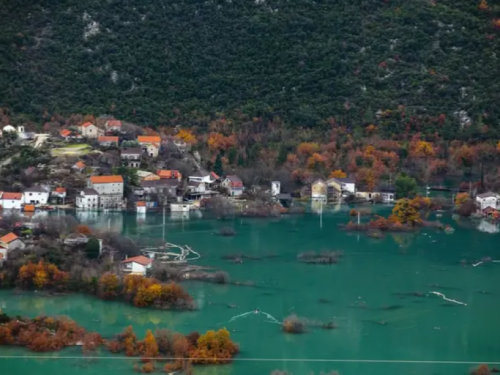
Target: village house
point(59, 192)
point(342, 186)
point(11, 242)
point(11, 201)
point(113, 126)
point(75, 239)
point(131, 157)
point(36, 195)
point(488, 199)
point(166, 187)
point(136, 265)
point(319, 190)
point(150, 145)
point(110, 190)
point(107, 141)
point(89, 130)
point(204, 176)
point(79, 166)
point(169, 174)
point(147, 176)
point(88, 199)
point(65, 133)
point(140, 207)
point(234, 185)
point(382, 193)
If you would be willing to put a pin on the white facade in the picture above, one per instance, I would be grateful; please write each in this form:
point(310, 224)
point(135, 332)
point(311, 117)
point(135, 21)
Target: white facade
point(16, 244)
point(87, 200)
point(488, 200)
point(10, 202)
point(134, 267)
point(109, 188)
point(152, 151)
point(179, 207)
point(386, 197)
point(275, 188)
point(36, 196)
point(90, 131)
point(141, 209)
point(202, 176)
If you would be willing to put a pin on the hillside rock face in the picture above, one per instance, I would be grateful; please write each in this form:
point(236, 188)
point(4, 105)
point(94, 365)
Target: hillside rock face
point(306, 61)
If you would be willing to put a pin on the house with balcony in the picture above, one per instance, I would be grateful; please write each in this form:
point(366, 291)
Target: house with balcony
point(110, 190)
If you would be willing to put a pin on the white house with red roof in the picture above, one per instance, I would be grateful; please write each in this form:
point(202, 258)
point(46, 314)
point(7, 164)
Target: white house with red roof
point(113, 126)
point(234, 185)
point(137, 265)
point(10, 242)
point(89, 130)
point(11, 201)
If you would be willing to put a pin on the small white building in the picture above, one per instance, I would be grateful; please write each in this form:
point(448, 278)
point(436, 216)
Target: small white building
point(488, 199)
point(36, 195)
point(141, 207)
point(150, 144)
point(137, 265)
point(153, 150)
point(11, 242)
point(180, 207)
point(59, 192)
point(234, 185)
point(203, 176)
point(11, 201)
point(89, 130)
point(275, 188)
point(88, 199)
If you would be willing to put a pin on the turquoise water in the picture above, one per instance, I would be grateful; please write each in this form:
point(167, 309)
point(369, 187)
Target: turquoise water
point(416, 330)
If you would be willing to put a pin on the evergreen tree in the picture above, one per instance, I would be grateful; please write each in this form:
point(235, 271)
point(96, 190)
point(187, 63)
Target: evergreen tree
point(218, 165)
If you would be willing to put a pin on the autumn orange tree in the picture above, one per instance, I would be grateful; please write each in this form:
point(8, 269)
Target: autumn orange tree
point(83, 229)
point(214, 347)
point(187, 136)
point(405, 212)
point(219, 142)
point(42, 275)
point(308, 148)
point(338, 174)
point(109, 286)
point(461, 198)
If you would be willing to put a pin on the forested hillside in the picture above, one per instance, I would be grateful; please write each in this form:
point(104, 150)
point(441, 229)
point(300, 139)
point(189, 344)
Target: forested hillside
point(306, 61)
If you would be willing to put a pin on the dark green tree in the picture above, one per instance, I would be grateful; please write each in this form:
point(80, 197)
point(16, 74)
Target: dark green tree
point(218, 165)
point(406, 186)
point(92, 249)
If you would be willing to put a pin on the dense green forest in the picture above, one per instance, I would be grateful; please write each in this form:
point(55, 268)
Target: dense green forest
point(305, 61)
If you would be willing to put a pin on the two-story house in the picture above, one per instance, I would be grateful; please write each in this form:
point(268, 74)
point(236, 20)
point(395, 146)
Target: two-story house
point(234, 185)
point(88, 199)
point(488, 199)
point(150, 144)
point(36, 195)
point(342, 186)
point(89, 130)
point(8, 243)
point(131, 157)
point(110, 190)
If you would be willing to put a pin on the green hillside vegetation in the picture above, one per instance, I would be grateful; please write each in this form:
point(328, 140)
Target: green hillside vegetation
point(152, 61)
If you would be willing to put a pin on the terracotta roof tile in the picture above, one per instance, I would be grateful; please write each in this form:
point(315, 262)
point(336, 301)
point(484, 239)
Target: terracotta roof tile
point(12, 196)
point(80, 165)
point(108, 139)
point(148, 139)
point(65, 132)
point(8, 238)
point(114, 124)
point(141, 204)
point(29, 208)
point(61, 190)
point(106, 179)
point(87, 124)
point(141, 259)
point(165, 173)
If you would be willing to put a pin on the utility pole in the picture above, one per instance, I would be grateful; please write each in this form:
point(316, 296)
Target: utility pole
point(163, 223)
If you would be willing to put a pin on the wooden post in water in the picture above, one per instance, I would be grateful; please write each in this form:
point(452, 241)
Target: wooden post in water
point(163, 223)
point(359, 218)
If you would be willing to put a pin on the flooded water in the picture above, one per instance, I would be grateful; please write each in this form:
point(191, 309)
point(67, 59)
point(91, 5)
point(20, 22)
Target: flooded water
point(381, 327)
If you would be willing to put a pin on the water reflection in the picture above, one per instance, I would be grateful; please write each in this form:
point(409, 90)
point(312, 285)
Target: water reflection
point(487, 226)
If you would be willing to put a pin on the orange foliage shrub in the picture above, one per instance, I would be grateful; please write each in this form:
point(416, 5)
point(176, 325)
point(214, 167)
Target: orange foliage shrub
point(481, 370)
point(42, 275)
point(483, 5)
point(461, 198)
point(338, 174)
point(315, 161)
point(83, 229)
point(187, 136)
point(109, 286)
point(307, 148)
point(217, 141)
point(214, 347)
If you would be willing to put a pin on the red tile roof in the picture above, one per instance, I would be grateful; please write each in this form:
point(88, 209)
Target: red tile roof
point(215, 175)
point(80, 164)
point(165, 173)
point(141, 204)
point(106, 179)
point(12, 196)
point(141, 259)
point(87, 124)
point(61, 190)
point(114, 124)
point(148, 139)
point(108, 139)
point(29, 208)
point(65, 132)
point(8, 238)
